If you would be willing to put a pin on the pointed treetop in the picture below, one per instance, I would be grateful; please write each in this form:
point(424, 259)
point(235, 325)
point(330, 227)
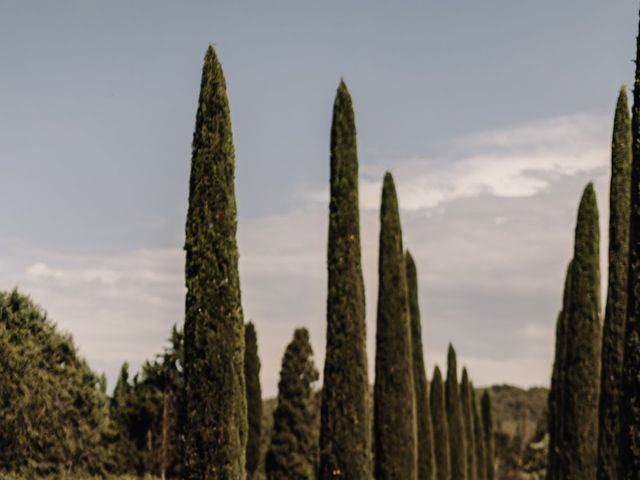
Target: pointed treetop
point(465, 375)
point(437, 375)
point(451, 359)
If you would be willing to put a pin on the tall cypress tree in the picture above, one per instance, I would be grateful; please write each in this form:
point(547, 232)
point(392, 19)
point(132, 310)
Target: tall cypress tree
point(345, 427)
point(487, 426)
point(440, 427)
point(291, 452)
point(616, 309)
point(583, 333)
point(630, 418)
point(254, 397)
point(426, 461)
point(457, 440)
point(469, 430)
point(479, 439)
point(215, 410)
point(556, 406)
point(394, 402)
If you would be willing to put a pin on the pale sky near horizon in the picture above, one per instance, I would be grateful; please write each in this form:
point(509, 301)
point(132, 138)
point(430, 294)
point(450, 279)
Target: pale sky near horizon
point(491, 115)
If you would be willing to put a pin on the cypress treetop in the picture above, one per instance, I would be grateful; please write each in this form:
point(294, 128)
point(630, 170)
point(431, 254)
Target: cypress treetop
point(394, 402)
point(457, 439)
point(440, 427)
point(426, 461)
point(345, 427)
point(616, 309)
point(469, 430)
point(254, 397)
point(215, 406)
point(487, 426)
point(479, 438)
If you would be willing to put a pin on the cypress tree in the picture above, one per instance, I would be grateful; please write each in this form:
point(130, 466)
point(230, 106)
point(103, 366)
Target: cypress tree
point(478, 439)
point(616, 309)
point(291, 452)
point(254, 397)
point(469, 430)
point(215, 409)
point(426, 465)
point(345, 427)
point(487, 426)
point(394, 402)
point(556, 395)
point(583, 333)
point(630, 418)
point(457, 440)
point(440, 427)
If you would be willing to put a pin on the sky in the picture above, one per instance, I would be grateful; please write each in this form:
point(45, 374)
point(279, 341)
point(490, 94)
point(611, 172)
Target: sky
point(491, 115)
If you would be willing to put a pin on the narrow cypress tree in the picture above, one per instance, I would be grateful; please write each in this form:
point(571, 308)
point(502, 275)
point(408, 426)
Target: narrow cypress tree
point(426, 461)
point(291, 452)
point(556, 395)
point(616, 309)
point(469, 430)
point(345, 426)
point(487, 426)
point(254, 397)
point(457, 441)
point(440, 427)
point(394, 402)
point(583, 333)
point(479, 439)
point(215, 410)
point(630, 418)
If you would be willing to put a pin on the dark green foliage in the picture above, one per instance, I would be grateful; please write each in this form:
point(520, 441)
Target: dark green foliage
point(426, 461)
point(292, 451)
point(487, 426)
point(630, 418)
point(53, 408)
point(394, 402)
point(254, 397)
point(616, 309)
point(215, 406)
point(579, 414)
point(478, 438)
point(457, 440)
point(440, 427)
point(469, 429)
point(345, 432)
point(556, 408)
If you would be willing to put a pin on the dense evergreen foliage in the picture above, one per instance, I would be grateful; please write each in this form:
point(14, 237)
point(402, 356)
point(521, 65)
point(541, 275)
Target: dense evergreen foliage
point(469, 429)
point(394, 402)
point(630, 418)
point(254, 397)
point(487, 426)
point(478, 438)
point(345, 433)
point(440, 427)
point(426, 461)
point(457, 440)
point(215, 406)
point(616, 309)
point(292, 451)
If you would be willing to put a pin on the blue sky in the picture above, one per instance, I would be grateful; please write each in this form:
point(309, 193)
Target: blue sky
point(491, 115)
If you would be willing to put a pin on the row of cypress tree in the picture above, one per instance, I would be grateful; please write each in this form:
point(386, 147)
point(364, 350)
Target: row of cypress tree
point(594, 403)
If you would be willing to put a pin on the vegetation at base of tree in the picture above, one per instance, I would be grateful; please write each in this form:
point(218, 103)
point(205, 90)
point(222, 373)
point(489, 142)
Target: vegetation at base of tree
point(254, 397)
point(469, 428)
point(215, 406)
point(616, 308)
point(345, 434)
point(437, 404)
point(426, 461)
point(457, 441)
point(292, 451)
point(395, 454)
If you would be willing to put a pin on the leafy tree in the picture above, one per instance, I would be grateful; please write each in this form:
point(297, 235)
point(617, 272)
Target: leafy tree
point(440, 427)
point(292, 451)
point(487, 426)
point(394, 402)
point(345, 431)
point(254, 397)
point(215, 405)
point(469, 429)
point(457, 440)
point(616, 309)
point(426, 461)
